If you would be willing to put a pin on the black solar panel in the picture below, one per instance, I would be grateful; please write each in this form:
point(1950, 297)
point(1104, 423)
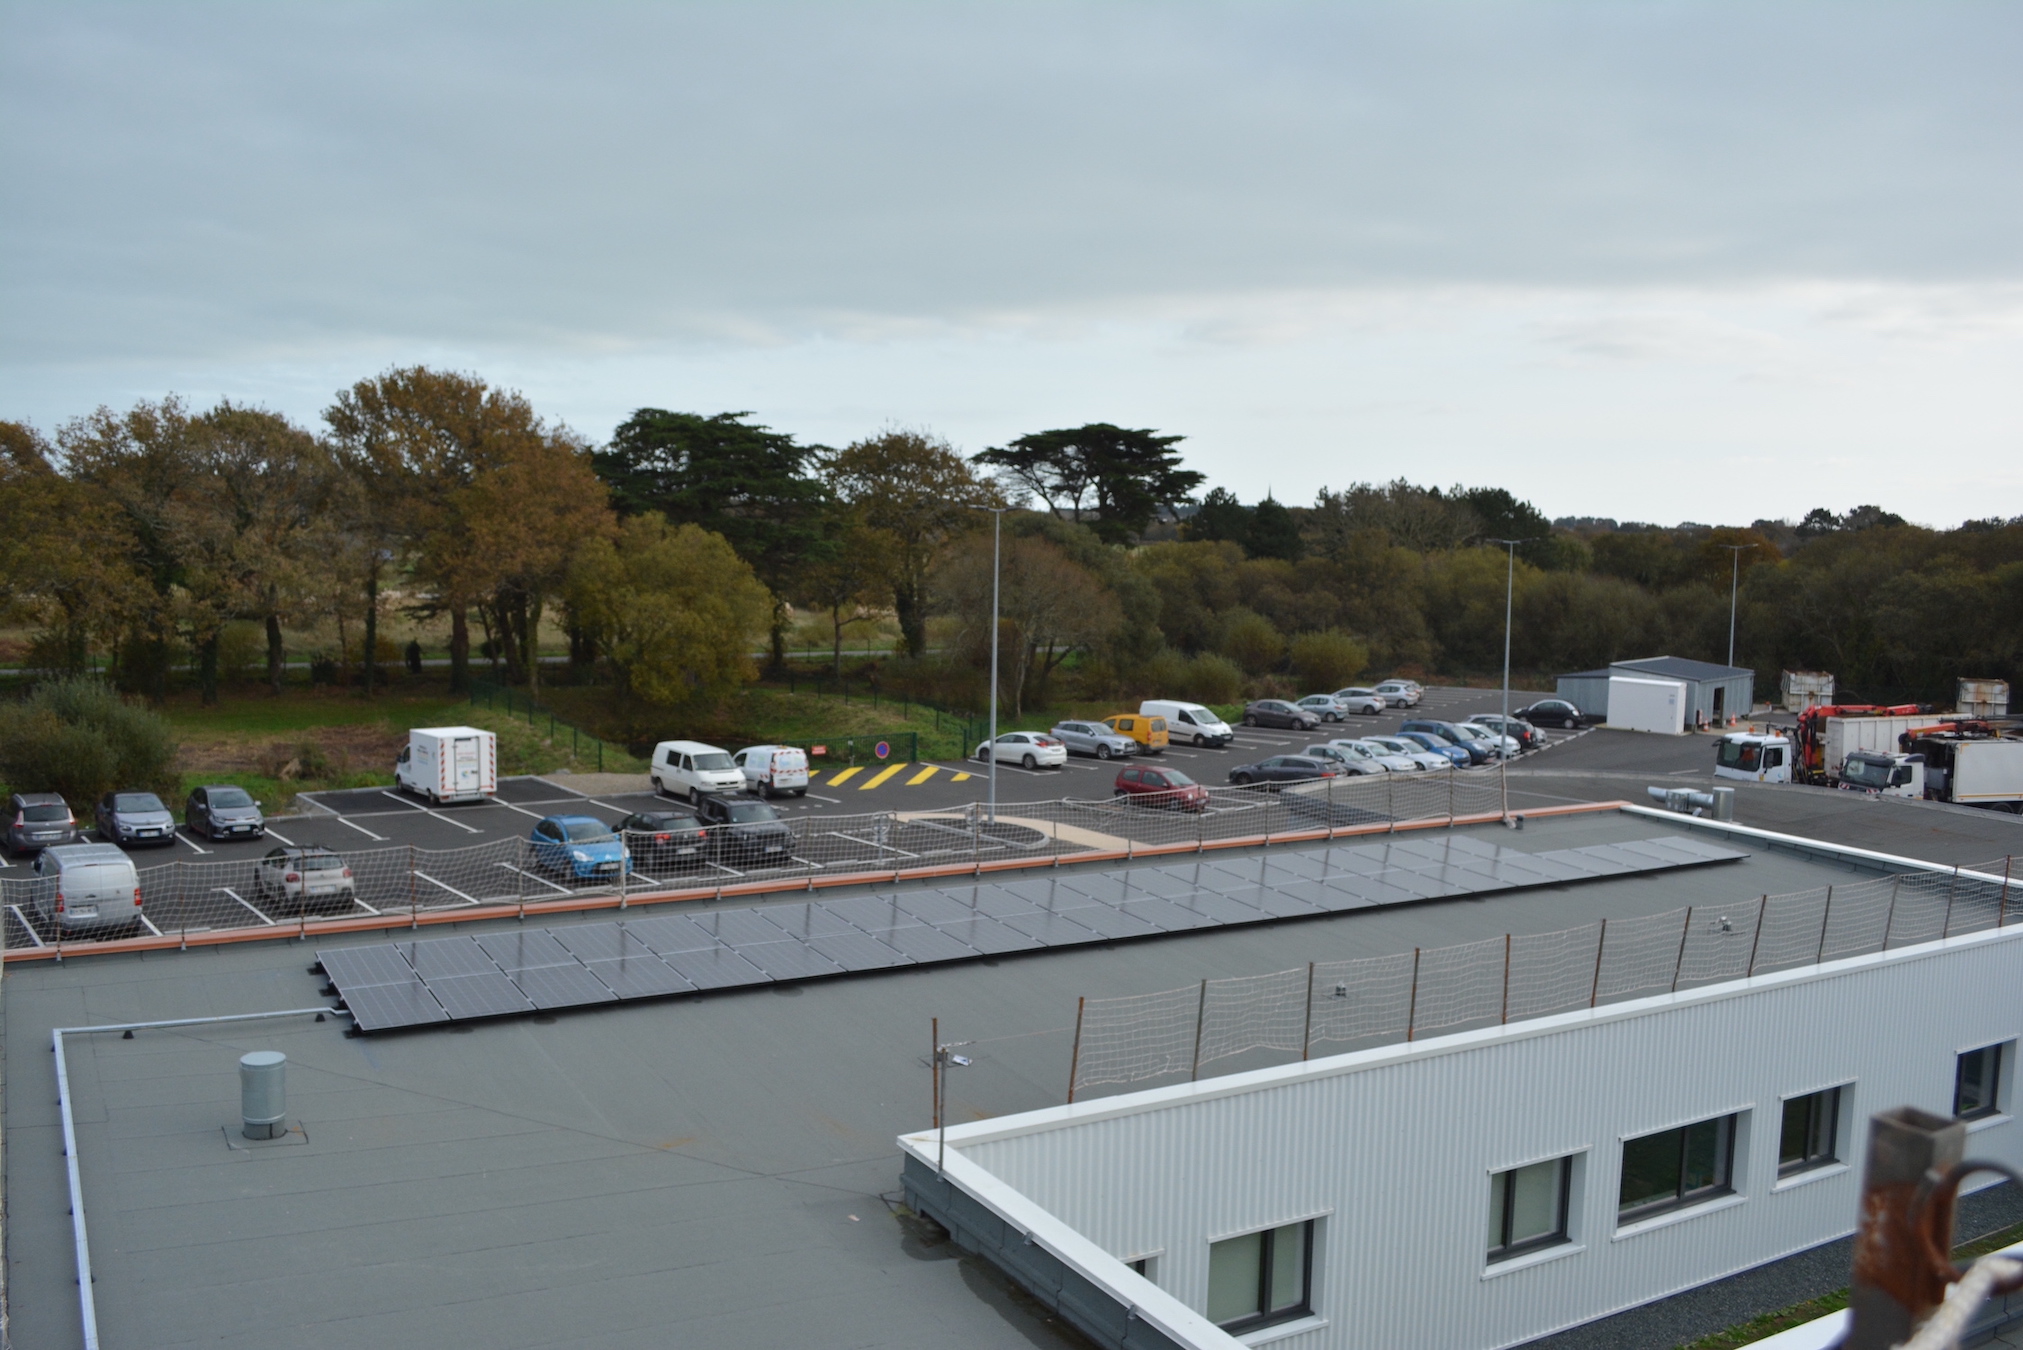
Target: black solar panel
point(518, 970)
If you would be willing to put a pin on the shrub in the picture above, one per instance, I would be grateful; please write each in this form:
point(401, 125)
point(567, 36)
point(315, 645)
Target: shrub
point(1326, 661)
point(81, 739)
point(1213, 679)
point(1248, 639)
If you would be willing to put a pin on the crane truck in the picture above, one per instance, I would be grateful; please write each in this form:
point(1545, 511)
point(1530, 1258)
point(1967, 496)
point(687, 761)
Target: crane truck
point(1970, 763)
point(1828, 733)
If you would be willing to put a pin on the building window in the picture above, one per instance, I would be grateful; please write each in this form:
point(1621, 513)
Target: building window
point(1676, 1167)
point(1808, 1138)
point(1261, 1278)
point(1527, 1207)
point(1977, 1080)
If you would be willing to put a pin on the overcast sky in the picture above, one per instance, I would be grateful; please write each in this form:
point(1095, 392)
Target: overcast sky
point(1650, 261)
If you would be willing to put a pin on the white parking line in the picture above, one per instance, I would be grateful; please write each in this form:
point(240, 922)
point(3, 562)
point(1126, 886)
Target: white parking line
point(446, 886)
point(437, 814)
point(180, 835)
point(362, 905)
point(538, 880)
point(833, 801)
point(146, 920)
point(347, 820)
point(282, 837)
point(241, 899)
point(521, 809)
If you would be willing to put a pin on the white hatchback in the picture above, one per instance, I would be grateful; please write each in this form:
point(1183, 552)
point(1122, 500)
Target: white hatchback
point(1400, 693)
point(1027, 749)
point(771, 770)
point(693, 770)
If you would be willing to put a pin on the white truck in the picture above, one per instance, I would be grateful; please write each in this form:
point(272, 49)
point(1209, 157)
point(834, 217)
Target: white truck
point(449, 764)
point(1966, 770)
point(1843, 736)
point(1753, 756)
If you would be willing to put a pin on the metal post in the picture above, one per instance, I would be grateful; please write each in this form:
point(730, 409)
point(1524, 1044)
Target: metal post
point(1762, 913)
point(934, 1059)
point(413, 911)
point(1685, 931)
point(1824, 919)
point(1890, 919)
point(1503, 728)
point(1735, 552)
point(1505, 1016)
point(1412, 1009)
point(624, 867)
point(996, 541)
point(1952, 889)
point(2002, 910)
point(1200, 1017)
point(1075, 1059)
point(1306, 1043)
point(1601, 945)
point(1895, 1286)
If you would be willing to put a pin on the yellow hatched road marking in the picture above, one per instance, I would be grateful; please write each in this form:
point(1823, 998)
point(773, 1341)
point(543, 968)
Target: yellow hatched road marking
point(960, 778)
point(845, 775)
point(923, 775)
point(879, 777)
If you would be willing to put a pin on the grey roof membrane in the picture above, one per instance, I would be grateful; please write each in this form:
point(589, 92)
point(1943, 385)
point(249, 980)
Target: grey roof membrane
point(496, 974)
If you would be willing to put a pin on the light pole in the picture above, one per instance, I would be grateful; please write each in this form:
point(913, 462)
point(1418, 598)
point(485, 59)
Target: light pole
point(1503, 728)
point(1735, 552)
point(996, 546)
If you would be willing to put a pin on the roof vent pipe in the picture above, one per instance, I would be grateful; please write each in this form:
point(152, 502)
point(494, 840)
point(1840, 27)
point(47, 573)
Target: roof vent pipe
point(263, 1093)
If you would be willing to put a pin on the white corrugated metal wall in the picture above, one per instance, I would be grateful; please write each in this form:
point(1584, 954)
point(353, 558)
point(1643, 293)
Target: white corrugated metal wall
point(1394, 1147)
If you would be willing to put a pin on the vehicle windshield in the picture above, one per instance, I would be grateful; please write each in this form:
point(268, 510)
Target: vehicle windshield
point(718, 760)
point(1867, 772)
point(137, 801)
point(321, 862)
point(1740, 754)
point(229, 798)
point(748, 813)
point(45, 813)
point(588, 832)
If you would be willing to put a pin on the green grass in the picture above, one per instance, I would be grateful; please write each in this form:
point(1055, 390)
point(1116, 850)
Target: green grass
point(302, 709)
point(1769, 1324)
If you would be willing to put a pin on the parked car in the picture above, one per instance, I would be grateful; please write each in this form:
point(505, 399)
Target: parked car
point(298, 880)
point(1384, 760)
point(1149, 786)
point(771, 770)
point(1528, 736)
point(1477, 752)
point(36, 820)
point(1401, 693)
point(1553, 712)
point(1281, 769)
point(132, 818)
point(1325, 706)
point(746, 832)
point(1494, 745)
point(693, 770)
point(1407, 748)
point(1276, 712)
point(1345, 764)
point(87, 888)
point(1457, 758)
point(1365, 701)
point(664, 838)
point(1028, 749)
point(1093, 738)
point(222, 811)
point(580, 846)
point(1190, 722)
point(1150, 732)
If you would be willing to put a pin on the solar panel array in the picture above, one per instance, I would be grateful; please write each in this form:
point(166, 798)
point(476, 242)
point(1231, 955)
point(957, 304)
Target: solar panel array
point(526, 970)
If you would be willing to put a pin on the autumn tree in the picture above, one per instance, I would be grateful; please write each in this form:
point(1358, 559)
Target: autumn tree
point(844, 576)
point(918, 494)
point(61, 570)
point(1049, 607)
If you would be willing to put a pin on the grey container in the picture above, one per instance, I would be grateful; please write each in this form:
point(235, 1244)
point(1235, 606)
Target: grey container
point(263, 1093)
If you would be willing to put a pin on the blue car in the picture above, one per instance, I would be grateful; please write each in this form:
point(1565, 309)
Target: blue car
point(582, 846)
point(1439, 747)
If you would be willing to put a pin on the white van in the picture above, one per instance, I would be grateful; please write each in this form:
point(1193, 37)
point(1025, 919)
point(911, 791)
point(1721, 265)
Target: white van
point(691, 769)
point(1189, 723)
point(87, 888)
point(449, 764)
point(771, 770)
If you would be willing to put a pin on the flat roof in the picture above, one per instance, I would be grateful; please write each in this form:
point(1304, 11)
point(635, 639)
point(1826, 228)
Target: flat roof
point(711, 1170)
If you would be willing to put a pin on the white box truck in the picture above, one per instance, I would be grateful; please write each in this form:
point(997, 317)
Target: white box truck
point(1844, 736)
point(1967, 771)
point(1637, 704)
point(449, 764)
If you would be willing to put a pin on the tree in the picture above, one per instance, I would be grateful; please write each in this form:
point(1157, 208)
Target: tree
point(672, 608)
point(1109, 477)
point(1419, 518)
point(1324, 662)
point(61, 569)
point(1273, 533)
point(77, 737)
point(844, 576)
point(1221, 516)
point(1049, 608)
point(747, 482)
point(918, 494)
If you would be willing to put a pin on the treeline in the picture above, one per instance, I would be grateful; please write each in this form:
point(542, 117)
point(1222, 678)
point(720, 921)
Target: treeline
point(668, 553)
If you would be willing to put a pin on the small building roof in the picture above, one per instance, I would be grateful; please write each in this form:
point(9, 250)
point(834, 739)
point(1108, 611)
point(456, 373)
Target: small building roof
point(1681, 668)
point(1601, 674)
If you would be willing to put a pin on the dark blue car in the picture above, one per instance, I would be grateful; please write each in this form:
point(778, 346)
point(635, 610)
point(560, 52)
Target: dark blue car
point(1440, 746)
point(582, 846)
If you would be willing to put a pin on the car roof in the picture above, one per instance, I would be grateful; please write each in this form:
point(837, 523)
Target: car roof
point(86, 853)
point(691, 747)
point(40, 799)
point(571, 820)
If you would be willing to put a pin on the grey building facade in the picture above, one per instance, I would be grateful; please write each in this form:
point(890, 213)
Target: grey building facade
point(1714, 692)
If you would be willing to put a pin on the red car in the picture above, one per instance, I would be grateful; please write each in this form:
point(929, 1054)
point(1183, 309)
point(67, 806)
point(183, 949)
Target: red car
point(1161, 787)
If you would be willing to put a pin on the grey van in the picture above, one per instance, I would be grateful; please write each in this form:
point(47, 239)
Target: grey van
point(86, 888)
point(35, 820)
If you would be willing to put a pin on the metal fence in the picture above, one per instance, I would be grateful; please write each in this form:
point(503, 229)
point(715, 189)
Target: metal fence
point(1330, 1007)
point(251, 893)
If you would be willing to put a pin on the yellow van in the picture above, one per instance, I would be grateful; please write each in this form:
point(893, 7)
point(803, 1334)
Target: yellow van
point(1149, 732)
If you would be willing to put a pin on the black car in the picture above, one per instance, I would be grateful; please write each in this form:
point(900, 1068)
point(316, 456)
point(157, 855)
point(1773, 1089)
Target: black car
point(35, 820)
point(1553, 712)
point(745, 831)
point(1281, 769)
point(1526, 735)
point(224, 812)
point(1276, 712)
point(1477, 752)
point(665, 838)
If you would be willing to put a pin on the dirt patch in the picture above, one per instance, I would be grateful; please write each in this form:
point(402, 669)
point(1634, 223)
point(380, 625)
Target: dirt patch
point(316, 753)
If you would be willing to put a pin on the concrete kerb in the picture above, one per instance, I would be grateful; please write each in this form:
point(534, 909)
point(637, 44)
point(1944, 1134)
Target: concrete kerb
point(1122, 851)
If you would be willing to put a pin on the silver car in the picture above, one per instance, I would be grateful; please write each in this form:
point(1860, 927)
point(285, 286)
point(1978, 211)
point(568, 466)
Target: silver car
point(1495, 746)
point(35, 820)
point(1400, 693)
point(1355, 766)
point(223, 811)
point(1404, 749)
point(1380, 759)
point(1093, 738)
point(1366, 701)
point(301, 880)
point(134, 818)
point(1326, 707)
point(86, 888)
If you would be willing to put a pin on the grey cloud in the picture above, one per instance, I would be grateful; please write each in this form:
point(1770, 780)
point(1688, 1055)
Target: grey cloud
point(239, 182)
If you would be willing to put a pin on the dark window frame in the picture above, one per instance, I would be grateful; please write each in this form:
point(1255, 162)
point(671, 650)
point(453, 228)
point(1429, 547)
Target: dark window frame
point(1559, 1236)
point(1991, 1105)
point(1304, 1308)
point(1682, 1198)
point(1822, 1113)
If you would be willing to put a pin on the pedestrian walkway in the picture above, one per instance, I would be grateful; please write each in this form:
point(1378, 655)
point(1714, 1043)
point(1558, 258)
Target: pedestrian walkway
point(880, 776)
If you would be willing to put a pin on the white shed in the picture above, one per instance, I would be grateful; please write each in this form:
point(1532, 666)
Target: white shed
point(1640, 704)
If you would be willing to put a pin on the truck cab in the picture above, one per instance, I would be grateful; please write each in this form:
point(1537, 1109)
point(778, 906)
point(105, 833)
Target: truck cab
point(1881, 774)
point(1754, 756)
